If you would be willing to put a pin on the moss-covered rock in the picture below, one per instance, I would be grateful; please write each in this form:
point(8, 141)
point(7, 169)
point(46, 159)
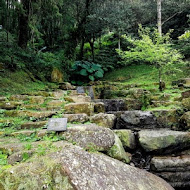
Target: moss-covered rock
point(186, 103)
point(78, 98)
point(185, 121)
point(99, 107)
point(10, 105)
point(57, 76)
point(127, 138)
point(81, 118)
point(36, 99)
point(133, 104)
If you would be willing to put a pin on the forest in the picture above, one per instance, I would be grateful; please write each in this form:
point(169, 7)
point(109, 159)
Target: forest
point(89, 38)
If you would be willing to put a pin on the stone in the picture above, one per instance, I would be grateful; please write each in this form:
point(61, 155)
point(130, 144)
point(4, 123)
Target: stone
point(67, 86)
point(87, 90)
point(56, 76)
point(136, 120)
point(59, 94)
point(25, 133)
point(76, 108)
point(138, 92)
point(57, 124)
point(186, 94)
point(132, 104)
point(10, 105)
point(163, 141)
point(117, 151)
point(56, 103)
point(27, 113)
point(90, 136)
point(166, 118)
point(104, 120)
point(185, 121)
point(186, 103)
point(33, 125)
point(127, 138)
point(78, 99)
point(81, 118)
point(74, 168)
point(2, 98)
point(41, 133)
point(99, 107)
point(36, 99)
point(19, 98)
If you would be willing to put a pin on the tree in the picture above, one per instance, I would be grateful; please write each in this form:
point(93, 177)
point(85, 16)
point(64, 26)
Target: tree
point(159, 15)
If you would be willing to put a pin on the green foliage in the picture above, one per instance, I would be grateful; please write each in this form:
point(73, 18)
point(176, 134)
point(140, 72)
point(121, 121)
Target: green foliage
point(84, 71)
point(3, 159)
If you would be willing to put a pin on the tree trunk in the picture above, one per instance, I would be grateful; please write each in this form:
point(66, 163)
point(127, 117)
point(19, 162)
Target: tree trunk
point(159, 16)
point(23, 24)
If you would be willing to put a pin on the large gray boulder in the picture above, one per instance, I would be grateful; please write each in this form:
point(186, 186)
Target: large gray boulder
point(73, 168)
point(136, 120)
point(164, 141)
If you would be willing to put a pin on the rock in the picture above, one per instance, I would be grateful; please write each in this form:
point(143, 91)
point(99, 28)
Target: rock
point(165, 141)
point(57, 124)
point(171, 163)
point(33, 125)
point(99, 107)
point(104, 120)
point(41, 133)
point(185, 81)
point(132, 104)
point(56, 103)
point(25, 133)
point(127, 138)
point(167, 118)
point(87, 90)
point(26, 113)
point(56, 76)
point(75, 108)
point(185, 121)
point(90, 136)
point(2, 98)
point(59, 94)
point(10, 105)
point(117, 151)
point(186, 94)
point(19, 98)
point(78, 99)
point(73, 168)
point(67, 86)
point(36, 99)
point(136, 120)
point(186, 103)
point(137, 93)
point(82, 118)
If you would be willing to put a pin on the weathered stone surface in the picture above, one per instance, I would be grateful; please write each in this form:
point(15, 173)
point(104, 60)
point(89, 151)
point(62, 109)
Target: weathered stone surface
point(33, 125)
point(186, 94)
point(127, 138)
point(90, 136)
point(185, 121)
point(82, 118)
point(185, 81)
point(186, 103)
point(75, 108)
point(171, 164)
point(117, 151)
point(166, 118)
point(99, 107)
point(26, 113)
point(138, 92)
point(67, 86)
point(136, 120)
point(78, 99)
point(58, 94)
point(104, 120)
point(164, 140)
point(56, 103)
point(9, 105)
point(56, 75)
point(2, 98)
point(37, 99)
point(25, 133)
point(57, 124)
point(132, 104)
point(19, 97)
point(73, 168)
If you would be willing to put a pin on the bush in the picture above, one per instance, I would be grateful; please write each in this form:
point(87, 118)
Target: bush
point(84, 71)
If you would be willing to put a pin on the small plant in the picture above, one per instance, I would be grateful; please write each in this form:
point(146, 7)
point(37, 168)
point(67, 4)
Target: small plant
point(3, 159)
point(25, 156)
point(28, 146)
point(41, 150)
point(87, 71)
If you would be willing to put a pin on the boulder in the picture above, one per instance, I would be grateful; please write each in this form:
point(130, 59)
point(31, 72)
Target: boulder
point(136, 120)
point(56, 103)
point(75, 108)
point(2, 98)
point(132, 104)
point(36, 99)
point(67, 86)
point(185, 121)
point(56, 76)
point(186, 103)
point(73, 168)
point(78, 98)
point(117, 151)
point(185, 94)
point(104, 120)
point(90, 136)
point(58, 94)
point(81, 118)
point(10, 105)
point(164, 141)
point(127, 138)
point(99, 107)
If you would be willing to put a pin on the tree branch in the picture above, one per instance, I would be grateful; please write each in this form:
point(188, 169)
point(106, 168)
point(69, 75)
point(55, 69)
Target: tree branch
point(171, 17)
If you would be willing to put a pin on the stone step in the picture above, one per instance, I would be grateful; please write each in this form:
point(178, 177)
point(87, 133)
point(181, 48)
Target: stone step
point(3, 98)
point(81, 118)
point(78, 98)
point(33, 125)
point(9, 105)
